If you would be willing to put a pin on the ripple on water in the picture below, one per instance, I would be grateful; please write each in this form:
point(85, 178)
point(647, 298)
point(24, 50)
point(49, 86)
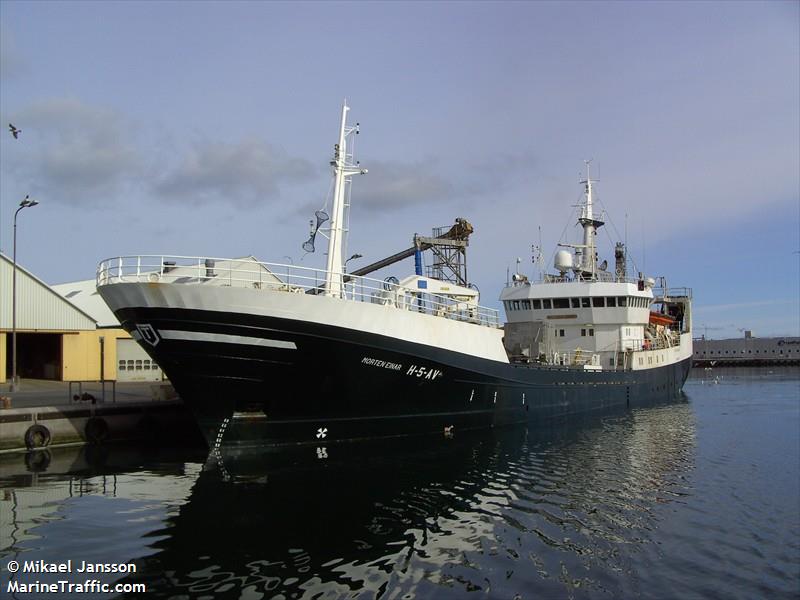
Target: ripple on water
point(655, 503)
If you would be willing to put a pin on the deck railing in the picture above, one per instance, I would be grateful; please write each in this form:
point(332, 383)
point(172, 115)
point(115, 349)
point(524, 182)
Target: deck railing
point(245, 273)
point(658, 291)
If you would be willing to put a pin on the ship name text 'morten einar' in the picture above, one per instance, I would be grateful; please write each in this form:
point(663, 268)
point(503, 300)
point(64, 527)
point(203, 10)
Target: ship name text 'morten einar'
point(273, 354)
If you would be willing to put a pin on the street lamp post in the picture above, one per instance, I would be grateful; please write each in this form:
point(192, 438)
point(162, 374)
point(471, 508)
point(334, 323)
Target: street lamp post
point(291, 260)
point(355, 256)
point(27, 202)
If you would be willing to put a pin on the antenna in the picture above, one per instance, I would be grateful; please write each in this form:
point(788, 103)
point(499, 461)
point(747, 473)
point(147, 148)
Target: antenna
point(644, 250)
point(541, 262)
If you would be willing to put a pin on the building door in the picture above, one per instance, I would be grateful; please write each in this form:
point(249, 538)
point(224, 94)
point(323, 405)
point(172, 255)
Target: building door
point(134, 364)
point(38, 355)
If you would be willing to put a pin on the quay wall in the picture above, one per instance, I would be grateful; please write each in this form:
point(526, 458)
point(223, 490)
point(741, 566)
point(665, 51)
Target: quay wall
point(746, 351)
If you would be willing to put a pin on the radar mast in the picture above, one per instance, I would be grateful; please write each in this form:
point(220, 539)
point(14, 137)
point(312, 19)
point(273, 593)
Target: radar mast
point(588, 250)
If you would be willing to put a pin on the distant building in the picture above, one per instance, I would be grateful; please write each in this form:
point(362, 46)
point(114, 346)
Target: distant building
point(748, 350)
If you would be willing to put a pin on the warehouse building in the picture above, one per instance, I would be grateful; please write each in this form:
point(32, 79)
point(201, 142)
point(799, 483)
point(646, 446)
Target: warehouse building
point(746, 351)
point(55, 339)
point(130, 361)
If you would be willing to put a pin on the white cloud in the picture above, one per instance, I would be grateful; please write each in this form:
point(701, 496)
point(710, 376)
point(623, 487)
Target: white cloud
point(396, 185)
point(12, 63)
point(243, 173)
point(72, 152)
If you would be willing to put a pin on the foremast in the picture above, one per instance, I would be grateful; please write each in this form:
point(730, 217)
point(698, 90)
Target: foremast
point(343, 170)
point(587, 252)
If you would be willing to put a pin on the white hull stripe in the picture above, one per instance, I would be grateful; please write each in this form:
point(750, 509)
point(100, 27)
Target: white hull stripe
point(224, 338)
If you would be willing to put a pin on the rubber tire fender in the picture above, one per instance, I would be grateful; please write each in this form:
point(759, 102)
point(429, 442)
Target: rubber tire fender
point(96, 430)
point(37, 436)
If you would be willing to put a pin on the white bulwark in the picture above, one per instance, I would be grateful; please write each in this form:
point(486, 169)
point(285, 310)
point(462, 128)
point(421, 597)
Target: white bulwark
point(132, 363)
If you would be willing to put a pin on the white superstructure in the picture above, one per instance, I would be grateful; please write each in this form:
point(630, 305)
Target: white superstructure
point(587, 316)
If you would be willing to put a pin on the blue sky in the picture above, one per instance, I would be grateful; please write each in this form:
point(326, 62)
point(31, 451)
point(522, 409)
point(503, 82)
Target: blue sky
point(206, 129)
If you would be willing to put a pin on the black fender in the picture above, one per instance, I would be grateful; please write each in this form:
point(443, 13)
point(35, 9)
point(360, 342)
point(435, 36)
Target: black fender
point(37, 436)
point(96, 430)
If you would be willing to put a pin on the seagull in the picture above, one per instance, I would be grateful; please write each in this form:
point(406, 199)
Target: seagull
point(14, 131)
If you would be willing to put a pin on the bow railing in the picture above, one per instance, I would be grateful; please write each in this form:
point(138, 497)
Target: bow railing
point(289, 278)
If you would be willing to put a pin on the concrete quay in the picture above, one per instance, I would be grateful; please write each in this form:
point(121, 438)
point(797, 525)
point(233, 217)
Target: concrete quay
point(43, 414)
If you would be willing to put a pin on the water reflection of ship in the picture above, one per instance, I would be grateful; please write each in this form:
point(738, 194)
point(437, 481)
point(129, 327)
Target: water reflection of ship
point(47, 492)
point(424, 516)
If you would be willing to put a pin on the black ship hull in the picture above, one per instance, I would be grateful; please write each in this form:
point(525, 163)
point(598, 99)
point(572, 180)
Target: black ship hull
point(313, 383)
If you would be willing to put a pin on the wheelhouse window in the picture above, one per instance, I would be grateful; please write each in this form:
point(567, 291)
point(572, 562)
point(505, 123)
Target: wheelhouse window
point(546, 303)
point(526, 305)
point(611, 301)
point(537, 304)
point(560, 302)
point(586, 303)
point(599, 302)
point(622, 301)
point(576, 302)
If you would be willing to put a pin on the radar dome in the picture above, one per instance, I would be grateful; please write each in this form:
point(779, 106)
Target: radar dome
point(563, 261)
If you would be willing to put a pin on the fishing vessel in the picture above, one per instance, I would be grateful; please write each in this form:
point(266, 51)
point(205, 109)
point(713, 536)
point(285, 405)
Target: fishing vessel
point(267, 353)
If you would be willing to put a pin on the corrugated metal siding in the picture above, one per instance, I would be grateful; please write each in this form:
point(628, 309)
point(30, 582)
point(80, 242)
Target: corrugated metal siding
point(38, 307)
point(83, 294)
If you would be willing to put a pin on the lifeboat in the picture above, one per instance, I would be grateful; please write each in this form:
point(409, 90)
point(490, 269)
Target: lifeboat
point(659, 319)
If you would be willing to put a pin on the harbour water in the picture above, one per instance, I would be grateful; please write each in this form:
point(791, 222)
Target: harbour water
point(699, 498)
